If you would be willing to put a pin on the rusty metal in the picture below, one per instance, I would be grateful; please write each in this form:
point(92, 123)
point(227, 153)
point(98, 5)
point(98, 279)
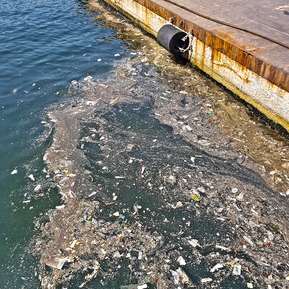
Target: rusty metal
point(254, 68)
point(231, 42)
point(214, 19)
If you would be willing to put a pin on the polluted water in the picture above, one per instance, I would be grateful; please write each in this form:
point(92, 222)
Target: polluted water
point(142, 205)
point(151, 195)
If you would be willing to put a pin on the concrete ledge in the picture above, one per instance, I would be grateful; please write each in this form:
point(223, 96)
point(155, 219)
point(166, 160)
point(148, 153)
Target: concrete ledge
point(232, 62)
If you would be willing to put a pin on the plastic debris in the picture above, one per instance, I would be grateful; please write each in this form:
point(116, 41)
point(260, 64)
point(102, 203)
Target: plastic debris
point(37, 188)
point(73, 244)
point(237, 270)
point(183, 277)
point(248, 240)
point(14, 172)
point(176, 277)
point(92, 194)
point(194, 243)
point(188, 128)
point(31, 177)
point(129, 147)
point(57, 263)
point(216, 267)
point(240, 197)
point(222, 247)
point(250, 285)
point(113, 101)
point(195, 197)
point(131, 241)
point(206, 280)
point(181, 261)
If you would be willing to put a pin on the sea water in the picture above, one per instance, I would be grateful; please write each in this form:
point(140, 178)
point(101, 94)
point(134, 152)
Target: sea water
point(47, 47)
point(44, 45)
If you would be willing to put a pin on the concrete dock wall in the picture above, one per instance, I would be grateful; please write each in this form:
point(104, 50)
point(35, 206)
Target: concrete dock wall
point(235, 64)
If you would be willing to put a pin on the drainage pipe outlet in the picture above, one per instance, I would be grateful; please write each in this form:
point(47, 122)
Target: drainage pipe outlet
point(173, 39)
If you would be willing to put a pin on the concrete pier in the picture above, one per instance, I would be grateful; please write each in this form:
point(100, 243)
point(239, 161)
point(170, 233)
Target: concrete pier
point(244, 45)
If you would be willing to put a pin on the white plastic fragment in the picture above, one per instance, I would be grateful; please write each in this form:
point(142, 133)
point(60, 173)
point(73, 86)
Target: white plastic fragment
point(188, 128)
point(270, 236)
point(117, 255)
point(234, 190)
point(129, 147)
point(139, 255)
point(14, 172)
point(222, 247)
point(37, 188)
point(103, 251)
point(176, 277)
point(91, 103)
point(183, 276)
point(57, 263)
point(181, 261)
point(73, 243)
point(216, 267)
point(178, 205)
point(248, 240)
point(92, 194)
point(194, 243)
point(142, 286)
point(240, 197)
point(60, 207)
point(236, 270)
point(253, 211)
point(31, 177)
point(205, 280)
point(201, 189)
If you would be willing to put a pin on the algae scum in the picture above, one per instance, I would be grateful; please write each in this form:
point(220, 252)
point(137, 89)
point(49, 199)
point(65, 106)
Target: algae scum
point(143, 205)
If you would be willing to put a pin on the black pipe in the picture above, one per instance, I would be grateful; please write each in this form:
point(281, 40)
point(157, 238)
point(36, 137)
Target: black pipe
point(171, 38)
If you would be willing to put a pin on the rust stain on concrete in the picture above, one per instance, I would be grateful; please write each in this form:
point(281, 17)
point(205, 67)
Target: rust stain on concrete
point(221, 56)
